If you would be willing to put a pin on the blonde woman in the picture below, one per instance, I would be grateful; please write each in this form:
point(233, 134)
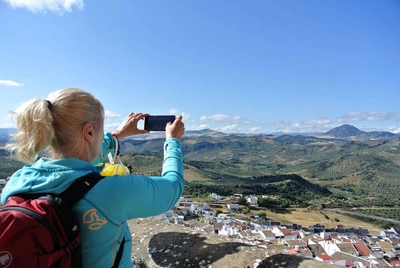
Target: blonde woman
point(67, 131)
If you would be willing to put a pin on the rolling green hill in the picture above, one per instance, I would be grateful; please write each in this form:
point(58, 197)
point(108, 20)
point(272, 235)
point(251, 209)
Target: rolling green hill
point(364, 166)
point(368, 168)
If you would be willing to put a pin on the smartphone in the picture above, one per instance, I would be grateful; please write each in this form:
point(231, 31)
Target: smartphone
point(157, 122)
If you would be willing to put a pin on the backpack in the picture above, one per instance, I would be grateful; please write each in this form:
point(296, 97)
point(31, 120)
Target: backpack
point(41, 230)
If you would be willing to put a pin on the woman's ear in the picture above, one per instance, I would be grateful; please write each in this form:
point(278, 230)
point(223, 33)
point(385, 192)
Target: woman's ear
point(88, 132)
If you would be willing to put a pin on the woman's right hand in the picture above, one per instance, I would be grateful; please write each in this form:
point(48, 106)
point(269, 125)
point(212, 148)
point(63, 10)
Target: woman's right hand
point(130, 126)
point(175, 129)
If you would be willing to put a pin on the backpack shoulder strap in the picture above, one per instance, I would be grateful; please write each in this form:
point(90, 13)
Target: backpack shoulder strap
point(119, 254)
point(80, 187)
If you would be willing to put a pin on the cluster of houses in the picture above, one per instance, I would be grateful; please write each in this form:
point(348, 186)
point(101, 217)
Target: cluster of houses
point(347, 247)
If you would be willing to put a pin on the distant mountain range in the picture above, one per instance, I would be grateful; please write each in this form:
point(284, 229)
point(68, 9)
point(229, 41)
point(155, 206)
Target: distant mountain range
point(344, 157)
point(344, 132)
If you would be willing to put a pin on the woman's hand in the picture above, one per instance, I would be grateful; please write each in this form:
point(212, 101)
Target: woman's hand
point(129, 126)
point(175, 129)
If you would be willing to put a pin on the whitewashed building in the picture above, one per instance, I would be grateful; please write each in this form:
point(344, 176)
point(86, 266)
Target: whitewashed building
point(215, 196)
point(233, 206)
point(252, 200)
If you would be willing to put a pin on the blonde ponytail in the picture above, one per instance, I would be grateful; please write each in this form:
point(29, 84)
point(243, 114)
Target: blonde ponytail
point(53, 124)
point(35, 130)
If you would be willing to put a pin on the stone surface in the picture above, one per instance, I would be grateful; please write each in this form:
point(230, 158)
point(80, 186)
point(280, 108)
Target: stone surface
point(157, 243)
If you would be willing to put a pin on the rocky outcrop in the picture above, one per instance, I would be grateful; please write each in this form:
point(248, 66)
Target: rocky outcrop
point(157, 243)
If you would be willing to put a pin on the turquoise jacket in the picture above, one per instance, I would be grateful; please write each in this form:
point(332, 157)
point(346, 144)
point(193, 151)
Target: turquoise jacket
point(103, 212)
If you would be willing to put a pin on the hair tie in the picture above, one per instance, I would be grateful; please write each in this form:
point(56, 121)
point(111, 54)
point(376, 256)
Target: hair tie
point(49, 105)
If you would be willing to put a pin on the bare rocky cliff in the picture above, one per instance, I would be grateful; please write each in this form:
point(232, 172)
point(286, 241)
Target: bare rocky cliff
point(157, 243)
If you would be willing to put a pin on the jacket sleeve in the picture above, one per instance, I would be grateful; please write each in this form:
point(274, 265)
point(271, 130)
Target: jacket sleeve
point(143, 196)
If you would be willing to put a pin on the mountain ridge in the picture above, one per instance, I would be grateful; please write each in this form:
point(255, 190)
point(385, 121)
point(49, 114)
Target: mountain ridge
point(345, 131)
point(349, 132)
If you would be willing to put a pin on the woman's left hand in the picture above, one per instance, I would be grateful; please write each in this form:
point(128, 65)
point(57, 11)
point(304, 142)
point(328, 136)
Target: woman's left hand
point(130, 126)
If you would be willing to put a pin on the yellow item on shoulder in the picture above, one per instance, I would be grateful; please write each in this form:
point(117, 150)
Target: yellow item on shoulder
point(114, 169)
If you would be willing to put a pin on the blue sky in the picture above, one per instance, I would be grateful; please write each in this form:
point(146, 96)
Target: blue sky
point(254, 66)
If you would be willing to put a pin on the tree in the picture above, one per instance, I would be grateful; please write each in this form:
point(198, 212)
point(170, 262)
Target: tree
point(246, 210)
point(262, 215)
point(266, 202)
point(242, 201)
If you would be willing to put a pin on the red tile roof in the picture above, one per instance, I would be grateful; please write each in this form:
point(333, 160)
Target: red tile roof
point(324, 257)
point(286, 231)
point(293, 251)
point(362, 249)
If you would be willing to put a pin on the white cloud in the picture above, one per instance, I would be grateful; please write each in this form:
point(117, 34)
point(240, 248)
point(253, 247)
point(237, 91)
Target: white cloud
point(282, 123)
point(215, 118)
point(111, 127)
point(236, 118)
point(247, 122)
point(351, 117)
point(382, 116)
point(199, 127)
point(59, 6)
point(356, 116)
point(311, 125)
point(110, 114)
point(219, 117)
point(393, 129)
point(187, 118)
point(255, 129)
point(8, 125)
point(397, 131)
point(10, 83)
point(174, 111)
point(313, 122)
point(229, 129)
point(237, 124)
